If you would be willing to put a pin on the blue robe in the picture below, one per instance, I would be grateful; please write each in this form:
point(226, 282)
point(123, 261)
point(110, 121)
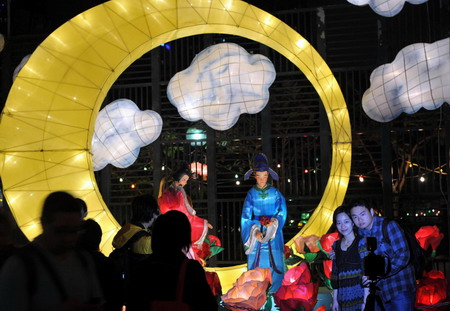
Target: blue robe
point(265, 202)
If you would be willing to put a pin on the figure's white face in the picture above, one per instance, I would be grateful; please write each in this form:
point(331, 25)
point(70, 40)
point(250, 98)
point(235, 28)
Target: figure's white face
point(183, 181)
point(344, 224)
point(261, 178)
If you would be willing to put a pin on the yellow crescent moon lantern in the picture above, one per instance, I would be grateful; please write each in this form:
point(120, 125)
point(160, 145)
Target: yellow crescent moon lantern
point(48, 120)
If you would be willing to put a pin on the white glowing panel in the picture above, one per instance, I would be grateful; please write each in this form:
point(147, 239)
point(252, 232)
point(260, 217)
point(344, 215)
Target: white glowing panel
point(419, 77)
point(387, 8)
point(222, 82)
point(121, 129)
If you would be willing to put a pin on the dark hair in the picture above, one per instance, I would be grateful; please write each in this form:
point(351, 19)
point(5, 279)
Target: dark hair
point(83, 207)
point(143, 207)
point(59, 202)
point(91, 237)
point(171, 233)
point(178, 174)
point(360, 202)
point(339, 210)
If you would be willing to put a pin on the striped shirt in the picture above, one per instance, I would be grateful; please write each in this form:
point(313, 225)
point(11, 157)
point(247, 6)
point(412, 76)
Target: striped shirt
point(401, 276)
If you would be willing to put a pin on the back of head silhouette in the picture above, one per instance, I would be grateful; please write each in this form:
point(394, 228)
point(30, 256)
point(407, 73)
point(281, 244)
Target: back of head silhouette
point(144, 207)
point(91, 237)
point(171, 233)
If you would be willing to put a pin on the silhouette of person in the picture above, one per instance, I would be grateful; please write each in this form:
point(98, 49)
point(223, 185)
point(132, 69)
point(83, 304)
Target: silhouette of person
point(156, 278)
point(7, 247)
point(144, 212)
point(50, 273)
point(109, 276)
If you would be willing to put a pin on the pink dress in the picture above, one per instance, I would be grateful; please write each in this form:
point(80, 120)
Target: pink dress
point(177, 200)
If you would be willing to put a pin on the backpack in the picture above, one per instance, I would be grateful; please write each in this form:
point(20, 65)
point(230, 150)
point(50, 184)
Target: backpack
point(124, 258)
point(417, 255)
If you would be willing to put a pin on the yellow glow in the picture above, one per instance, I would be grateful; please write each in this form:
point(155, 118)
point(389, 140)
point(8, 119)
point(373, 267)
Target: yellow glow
point(86, 58)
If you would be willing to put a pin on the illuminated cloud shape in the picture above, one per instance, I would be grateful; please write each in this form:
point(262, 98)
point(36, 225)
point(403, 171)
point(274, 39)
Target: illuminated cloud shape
point(386, 8)
point(222, 82)
point(121, 129)
point(419, 77)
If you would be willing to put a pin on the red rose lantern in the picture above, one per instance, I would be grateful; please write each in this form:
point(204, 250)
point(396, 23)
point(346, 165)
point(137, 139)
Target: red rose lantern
point(327, 267)
point(211, 246)
point(432, 289)
point(309, 241)
point(214, 241)
point(287, 252)
point(429, 235)
point(296, 290)
point(327, 240)
point(214, 283)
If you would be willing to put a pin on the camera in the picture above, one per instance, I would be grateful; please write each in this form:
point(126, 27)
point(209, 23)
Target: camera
point(373, 264)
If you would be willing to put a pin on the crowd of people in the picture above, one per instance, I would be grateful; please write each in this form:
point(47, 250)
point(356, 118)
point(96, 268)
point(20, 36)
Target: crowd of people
point(63, 269)
point(155, 263)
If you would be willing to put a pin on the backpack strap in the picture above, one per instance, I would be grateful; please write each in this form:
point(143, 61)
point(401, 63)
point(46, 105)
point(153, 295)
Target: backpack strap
point(181, 280)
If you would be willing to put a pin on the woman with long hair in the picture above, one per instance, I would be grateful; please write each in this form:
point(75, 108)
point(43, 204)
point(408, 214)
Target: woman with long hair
point(347, 271)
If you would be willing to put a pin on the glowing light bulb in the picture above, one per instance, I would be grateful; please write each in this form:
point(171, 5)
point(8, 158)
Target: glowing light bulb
point(361, 178)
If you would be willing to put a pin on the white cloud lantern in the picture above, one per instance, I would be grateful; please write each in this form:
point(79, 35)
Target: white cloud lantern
point(386, 8)
point(222, 82)
point(419, 77)
point(121, 129)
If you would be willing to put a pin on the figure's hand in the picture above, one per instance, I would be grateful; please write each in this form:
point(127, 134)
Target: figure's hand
point(335, 306)
point(259, 236)
point(210, 226)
